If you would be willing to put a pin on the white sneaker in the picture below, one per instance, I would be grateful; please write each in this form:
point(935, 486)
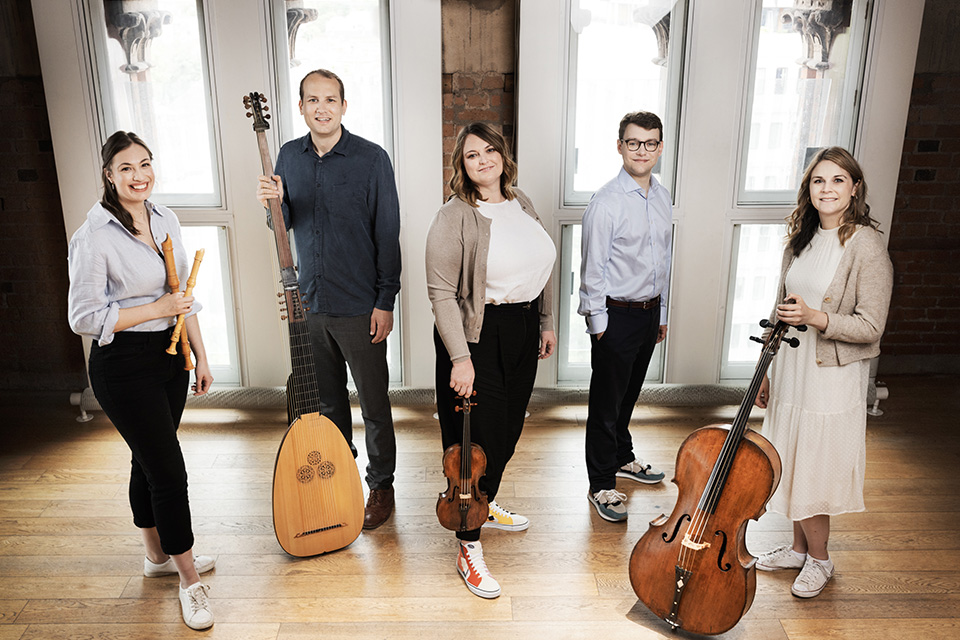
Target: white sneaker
point(609, 504)
point(500, 518)
point(168, 568)
point(781, 558)
point(473, 570)
point(195, 606)
point(813, 578)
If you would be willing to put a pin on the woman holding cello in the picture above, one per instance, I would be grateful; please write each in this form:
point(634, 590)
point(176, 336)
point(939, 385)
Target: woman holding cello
point(489, 263)
point(836, 278)
point(118, 296)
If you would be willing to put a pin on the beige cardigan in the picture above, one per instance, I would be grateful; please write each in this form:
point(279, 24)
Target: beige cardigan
point(457, 245)
point(856, 302)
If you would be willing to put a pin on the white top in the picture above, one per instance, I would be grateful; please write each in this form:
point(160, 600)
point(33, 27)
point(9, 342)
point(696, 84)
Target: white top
point(111, 269)
point(521, 254)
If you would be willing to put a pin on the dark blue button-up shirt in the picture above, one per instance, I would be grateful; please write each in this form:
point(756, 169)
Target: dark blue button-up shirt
point(345, 215)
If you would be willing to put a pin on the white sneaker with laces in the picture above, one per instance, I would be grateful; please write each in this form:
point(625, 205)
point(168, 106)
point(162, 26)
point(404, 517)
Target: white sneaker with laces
point(813, 578)
point(781, 558)
point(168, 568)
point(473, 570)
point(196, 607)
point(500, 518)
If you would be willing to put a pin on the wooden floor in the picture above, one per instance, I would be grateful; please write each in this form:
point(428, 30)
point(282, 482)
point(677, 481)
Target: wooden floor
point(71, 560)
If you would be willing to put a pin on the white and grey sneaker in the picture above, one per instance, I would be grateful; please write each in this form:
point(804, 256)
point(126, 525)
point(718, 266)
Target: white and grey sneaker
point(168, 568)
point(640, 472)
point(813, 578)
point(196, 607)
point(609, 504)
point(781, 558)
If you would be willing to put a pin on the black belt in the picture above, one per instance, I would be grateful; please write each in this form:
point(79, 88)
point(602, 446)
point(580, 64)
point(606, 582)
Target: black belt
point(624, 304)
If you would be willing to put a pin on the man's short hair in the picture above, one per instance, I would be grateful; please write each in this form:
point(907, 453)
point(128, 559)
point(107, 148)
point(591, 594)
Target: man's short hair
point(643, 119)
point(326, 74)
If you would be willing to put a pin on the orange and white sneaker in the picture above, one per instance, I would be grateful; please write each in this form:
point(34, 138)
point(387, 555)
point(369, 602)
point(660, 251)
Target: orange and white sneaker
point(473, 570)
point(500, 518)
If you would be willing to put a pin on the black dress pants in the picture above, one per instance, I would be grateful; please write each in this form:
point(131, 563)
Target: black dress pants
point(505, 367)
point(143, 390)
point(619, 363)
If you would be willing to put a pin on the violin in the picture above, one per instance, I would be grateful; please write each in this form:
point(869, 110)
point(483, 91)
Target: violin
point(693, 569)
point(463, 506)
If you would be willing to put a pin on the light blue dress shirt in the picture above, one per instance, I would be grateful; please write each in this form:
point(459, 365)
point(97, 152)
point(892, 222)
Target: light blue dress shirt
point(111, 269)
point(625, 248)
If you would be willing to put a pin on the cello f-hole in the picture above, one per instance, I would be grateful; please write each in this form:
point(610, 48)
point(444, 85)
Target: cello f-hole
point(723, 566)
point(676, 529)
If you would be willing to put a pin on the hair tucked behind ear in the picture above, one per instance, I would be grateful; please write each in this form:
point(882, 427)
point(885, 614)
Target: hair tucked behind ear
point(803, 223)
point(111, 202)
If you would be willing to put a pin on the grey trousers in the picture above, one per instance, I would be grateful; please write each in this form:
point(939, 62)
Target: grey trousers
point(341, 341)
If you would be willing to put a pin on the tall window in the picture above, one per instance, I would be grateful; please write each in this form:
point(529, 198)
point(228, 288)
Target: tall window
point(807, 71)
point(350, 38)
point(212, 289)
point(757, 251)
point(573, 364)
point(154, 79)
point(624, 55)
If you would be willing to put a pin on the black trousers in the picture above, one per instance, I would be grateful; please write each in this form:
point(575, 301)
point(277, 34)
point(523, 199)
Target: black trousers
point(143, 390)
point(619, 364)
point(505, 367)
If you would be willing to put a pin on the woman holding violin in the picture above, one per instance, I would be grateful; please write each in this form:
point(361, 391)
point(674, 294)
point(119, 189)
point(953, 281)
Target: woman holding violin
point(489, 264)
point(118, 296)
point(837, 279)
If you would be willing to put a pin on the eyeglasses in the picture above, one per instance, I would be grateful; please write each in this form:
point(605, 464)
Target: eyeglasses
point(649, 145)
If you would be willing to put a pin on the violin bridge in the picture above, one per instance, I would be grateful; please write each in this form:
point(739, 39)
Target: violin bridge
point(465, 496)
point(690, 544)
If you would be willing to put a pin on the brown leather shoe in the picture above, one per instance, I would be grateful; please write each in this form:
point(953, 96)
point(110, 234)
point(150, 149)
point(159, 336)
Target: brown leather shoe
point(379, 507)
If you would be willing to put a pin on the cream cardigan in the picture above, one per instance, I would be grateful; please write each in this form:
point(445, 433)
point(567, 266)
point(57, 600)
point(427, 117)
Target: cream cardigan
point(456, 258)
point(856, 302)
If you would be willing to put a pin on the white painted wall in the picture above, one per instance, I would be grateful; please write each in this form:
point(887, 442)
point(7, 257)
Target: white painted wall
point(242, 59)
point(705, 209)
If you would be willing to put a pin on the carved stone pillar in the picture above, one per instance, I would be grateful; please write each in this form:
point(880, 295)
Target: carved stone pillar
point(297, 15)
point(819, 22)
point(134, 24)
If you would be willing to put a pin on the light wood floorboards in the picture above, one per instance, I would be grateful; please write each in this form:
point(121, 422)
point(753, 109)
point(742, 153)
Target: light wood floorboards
point(70, 558)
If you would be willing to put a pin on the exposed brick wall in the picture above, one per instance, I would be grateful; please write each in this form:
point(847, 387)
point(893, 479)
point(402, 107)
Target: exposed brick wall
point(923, 330)
point(40, 351)
point(475, 97)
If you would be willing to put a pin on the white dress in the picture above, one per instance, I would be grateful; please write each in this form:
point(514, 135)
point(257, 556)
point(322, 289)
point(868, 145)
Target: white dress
point(816, 417)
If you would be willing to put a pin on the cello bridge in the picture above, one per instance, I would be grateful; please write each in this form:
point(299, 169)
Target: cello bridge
point(690, 544)
point(465, 496)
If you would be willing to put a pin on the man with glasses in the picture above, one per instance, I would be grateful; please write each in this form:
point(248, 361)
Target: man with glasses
point(624, 277)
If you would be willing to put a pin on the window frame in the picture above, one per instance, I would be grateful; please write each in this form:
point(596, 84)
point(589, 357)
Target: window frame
point(851, 112)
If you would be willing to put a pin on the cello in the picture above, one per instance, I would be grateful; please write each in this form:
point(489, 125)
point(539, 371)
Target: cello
point(463, 506)
point(693, 569)
point(317, 495)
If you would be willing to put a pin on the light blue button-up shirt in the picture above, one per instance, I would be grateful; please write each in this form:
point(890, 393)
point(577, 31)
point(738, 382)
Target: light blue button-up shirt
point(625, 248)
point(111, 269)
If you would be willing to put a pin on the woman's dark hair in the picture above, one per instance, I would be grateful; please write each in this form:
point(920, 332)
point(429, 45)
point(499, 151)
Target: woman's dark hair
point(111, 202)
point(461, 184)
point(803, 223)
